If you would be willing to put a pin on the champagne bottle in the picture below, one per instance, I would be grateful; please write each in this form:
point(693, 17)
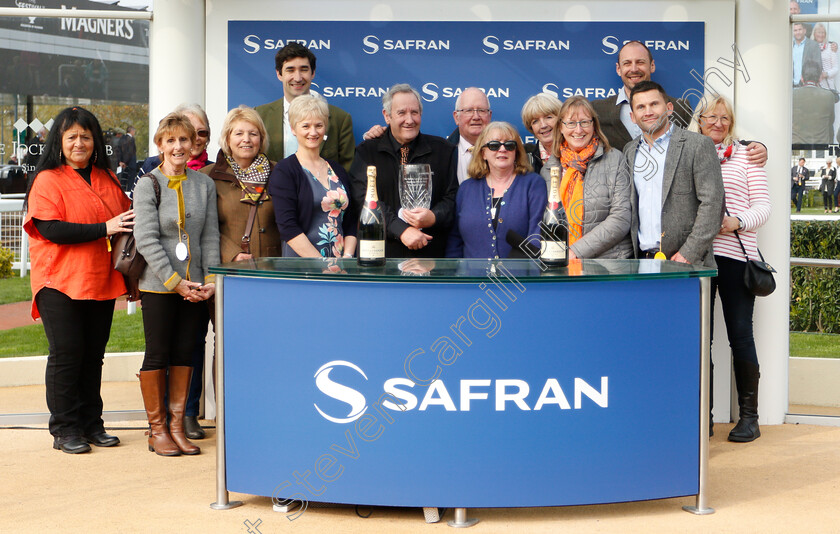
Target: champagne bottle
point(371, 234)
point(554, 228)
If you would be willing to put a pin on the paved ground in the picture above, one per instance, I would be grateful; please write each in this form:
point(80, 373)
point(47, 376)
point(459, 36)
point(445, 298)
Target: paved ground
point(788, 481)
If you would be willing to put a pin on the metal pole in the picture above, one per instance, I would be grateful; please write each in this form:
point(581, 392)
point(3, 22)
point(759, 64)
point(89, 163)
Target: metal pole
point(461, 520)
point(222, 502)
point(701, 507)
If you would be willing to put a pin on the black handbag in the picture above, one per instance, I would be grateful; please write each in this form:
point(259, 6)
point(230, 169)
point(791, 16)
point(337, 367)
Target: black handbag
point(758, 275)
point(127, 260)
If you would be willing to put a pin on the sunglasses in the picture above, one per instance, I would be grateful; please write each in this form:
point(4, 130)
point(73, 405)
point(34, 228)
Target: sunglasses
point(203, 133)
point(510, 146)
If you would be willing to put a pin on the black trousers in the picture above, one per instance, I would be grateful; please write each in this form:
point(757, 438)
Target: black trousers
point(77, 332)
point(797, 192)
point(171, 326)
point(738, 304)
point(828, 200)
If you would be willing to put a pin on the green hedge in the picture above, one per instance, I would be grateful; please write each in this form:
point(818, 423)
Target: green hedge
point(815, 291)
point(6, 258)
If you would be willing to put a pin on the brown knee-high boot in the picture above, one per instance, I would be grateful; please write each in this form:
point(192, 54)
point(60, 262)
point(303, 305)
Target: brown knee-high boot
point(152, 386)
point(179, 386)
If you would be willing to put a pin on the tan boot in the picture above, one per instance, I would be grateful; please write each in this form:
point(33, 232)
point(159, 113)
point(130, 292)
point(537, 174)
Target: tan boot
point(179, 387)
point(153, 385)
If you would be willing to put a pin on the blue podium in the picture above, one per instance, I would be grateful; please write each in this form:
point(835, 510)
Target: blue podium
point(462, 383)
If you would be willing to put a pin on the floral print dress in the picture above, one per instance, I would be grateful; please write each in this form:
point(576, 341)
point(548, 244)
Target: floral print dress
point(325, 233)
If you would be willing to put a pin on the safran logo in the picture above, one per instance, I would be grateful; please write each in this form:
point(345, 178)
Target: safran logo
point(371, 44)
point(356, 401)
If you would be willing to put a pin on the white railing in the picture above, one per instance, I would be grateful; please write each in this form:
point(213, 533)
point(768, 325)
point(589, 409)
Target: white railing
point(12, 235)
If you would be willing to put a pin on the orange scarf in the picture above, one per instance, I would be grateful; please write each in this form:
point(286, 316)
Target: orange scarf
point(571, 186)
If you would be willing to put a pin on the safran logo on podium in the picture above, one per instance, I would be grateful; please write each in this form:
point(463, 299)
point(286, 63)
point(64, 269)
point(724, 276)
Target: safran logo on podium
point(499, 395)
point(371, 44)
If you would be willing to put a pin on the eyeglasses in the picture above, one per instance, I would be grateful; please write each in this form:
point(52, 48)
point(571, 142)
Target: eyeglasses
point(574, 124)
point(711, 119)
point(202, 133)
point(494, 146)
point(475, 111)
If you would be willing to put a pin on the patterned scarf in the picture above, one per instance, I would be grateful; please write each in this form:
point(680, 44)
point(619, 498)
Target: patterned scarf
point(198, 162)
point(253, 179)
point(571, 186)
point(724, 152)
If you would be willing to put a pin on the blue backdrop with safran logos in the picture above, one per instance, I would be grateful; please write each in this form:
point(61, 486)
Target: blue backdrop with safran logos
point(357, 61)
point(307, 362)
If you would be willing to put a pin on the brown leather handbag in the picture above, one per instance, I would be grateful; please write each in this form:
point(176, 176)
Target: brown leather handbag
point(124, 253)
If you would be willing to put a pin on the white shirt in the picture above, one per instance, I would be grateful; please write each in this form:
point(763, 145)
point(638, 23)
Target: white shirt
point(290, 143)
point(464, 157)
point(624, 114)
point(648, 175)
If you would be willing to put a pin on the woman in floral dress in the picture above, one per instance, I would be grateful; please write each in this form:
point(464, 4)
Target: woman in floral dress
point(311, 195)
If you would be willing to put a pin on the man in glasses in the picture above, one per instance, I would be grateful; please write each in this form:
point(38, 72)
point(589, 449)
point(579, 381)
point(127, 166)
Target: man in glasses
point(417, 232)
point(295, 67)
point(472, 113)
point(635, 64)
point(677, 187)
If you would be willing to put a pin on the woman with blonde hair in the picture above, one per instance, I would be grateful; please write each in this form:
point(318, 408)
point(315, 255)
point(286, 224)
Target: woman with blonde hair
point(540, 115)
point(241, 174)
point(747, 202)
point(502, 194)
point(311, 194)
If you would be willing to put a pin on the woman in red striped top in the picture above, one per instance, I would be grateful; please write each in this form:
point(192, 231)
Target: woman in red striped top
point(748, 208)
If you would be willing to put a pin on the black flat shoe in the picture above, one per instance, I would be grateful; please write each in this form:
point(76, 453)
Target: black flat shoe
point(101, 439)
point(192, 429)
point(74, 445)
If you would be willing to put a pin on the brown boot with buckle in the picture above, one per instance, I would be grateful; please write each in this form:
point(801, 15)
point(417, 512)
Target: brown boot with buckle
point(179, 387)
point(152, 386)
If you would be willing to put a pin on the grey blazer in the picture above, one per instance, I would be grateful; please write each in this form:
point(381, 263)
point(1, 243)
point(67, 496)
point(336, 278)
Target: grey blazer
point(692, 197)
point(606, 206)
point(156, 231)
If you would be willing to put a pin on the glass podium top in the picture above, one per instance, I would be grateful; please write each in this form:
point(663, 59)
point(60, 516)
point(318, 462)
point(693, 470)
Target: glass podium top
point(460, 270)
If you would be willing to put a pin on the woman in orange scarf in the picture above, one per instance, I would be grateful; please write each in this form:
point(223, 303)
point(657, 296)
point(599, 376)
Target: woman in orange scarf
point(73, 205)
point(594, 186)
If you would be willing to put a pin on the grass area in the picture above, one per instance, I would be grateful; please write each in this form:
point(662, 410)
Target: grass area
point(812, 345)
point(812, 211)
point(15, 289)
point(126, 336)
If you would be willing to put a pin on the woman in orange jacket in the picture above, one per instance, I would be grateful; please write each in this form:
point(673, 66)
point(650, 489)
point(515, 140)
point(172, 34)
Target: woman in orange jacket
point(73, 205)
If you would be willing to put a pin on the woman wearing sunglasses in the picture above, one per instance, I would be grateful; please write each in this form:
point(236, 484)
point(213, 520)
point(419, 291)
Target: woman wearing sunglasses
point(502, 194)
point(198, 154)
point(594, 185)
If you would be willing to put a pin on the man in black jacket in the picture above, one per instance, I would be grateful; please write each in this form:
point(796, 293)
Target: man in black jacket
point(128, 157)
point(417, 232)
point(799, 174)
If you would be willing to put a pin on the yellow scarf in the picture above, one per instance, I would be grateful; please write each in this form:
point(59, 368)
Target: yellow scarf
point(175, 184)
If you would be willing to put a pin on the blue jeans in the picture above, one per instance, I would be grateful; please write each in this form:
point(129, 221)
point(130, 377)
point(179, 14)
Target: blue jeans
point(738, 304)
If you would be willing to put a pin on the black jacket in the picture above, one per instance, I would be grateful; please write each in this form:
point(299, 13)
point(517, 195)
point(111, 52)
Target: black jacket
point(435, 151)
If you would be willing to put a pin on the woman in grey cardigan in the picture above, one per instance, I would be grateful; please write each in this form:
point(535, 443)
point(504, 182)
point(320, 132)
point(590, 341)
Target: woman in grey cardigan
point(595, 184)
point(177, 232)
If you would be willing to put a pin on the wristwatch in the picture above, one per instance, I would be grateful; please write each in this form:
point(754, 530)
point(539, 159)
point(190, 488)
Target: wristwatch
point(740, 223)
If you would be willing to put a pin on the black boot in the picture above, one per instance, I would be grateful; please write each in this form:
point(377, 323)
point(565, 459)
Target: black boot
point(746, 381)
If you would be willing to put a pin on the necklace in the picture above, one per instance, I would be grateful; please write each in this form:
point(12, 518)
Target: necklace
point(319, 169)
point(496, 202)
